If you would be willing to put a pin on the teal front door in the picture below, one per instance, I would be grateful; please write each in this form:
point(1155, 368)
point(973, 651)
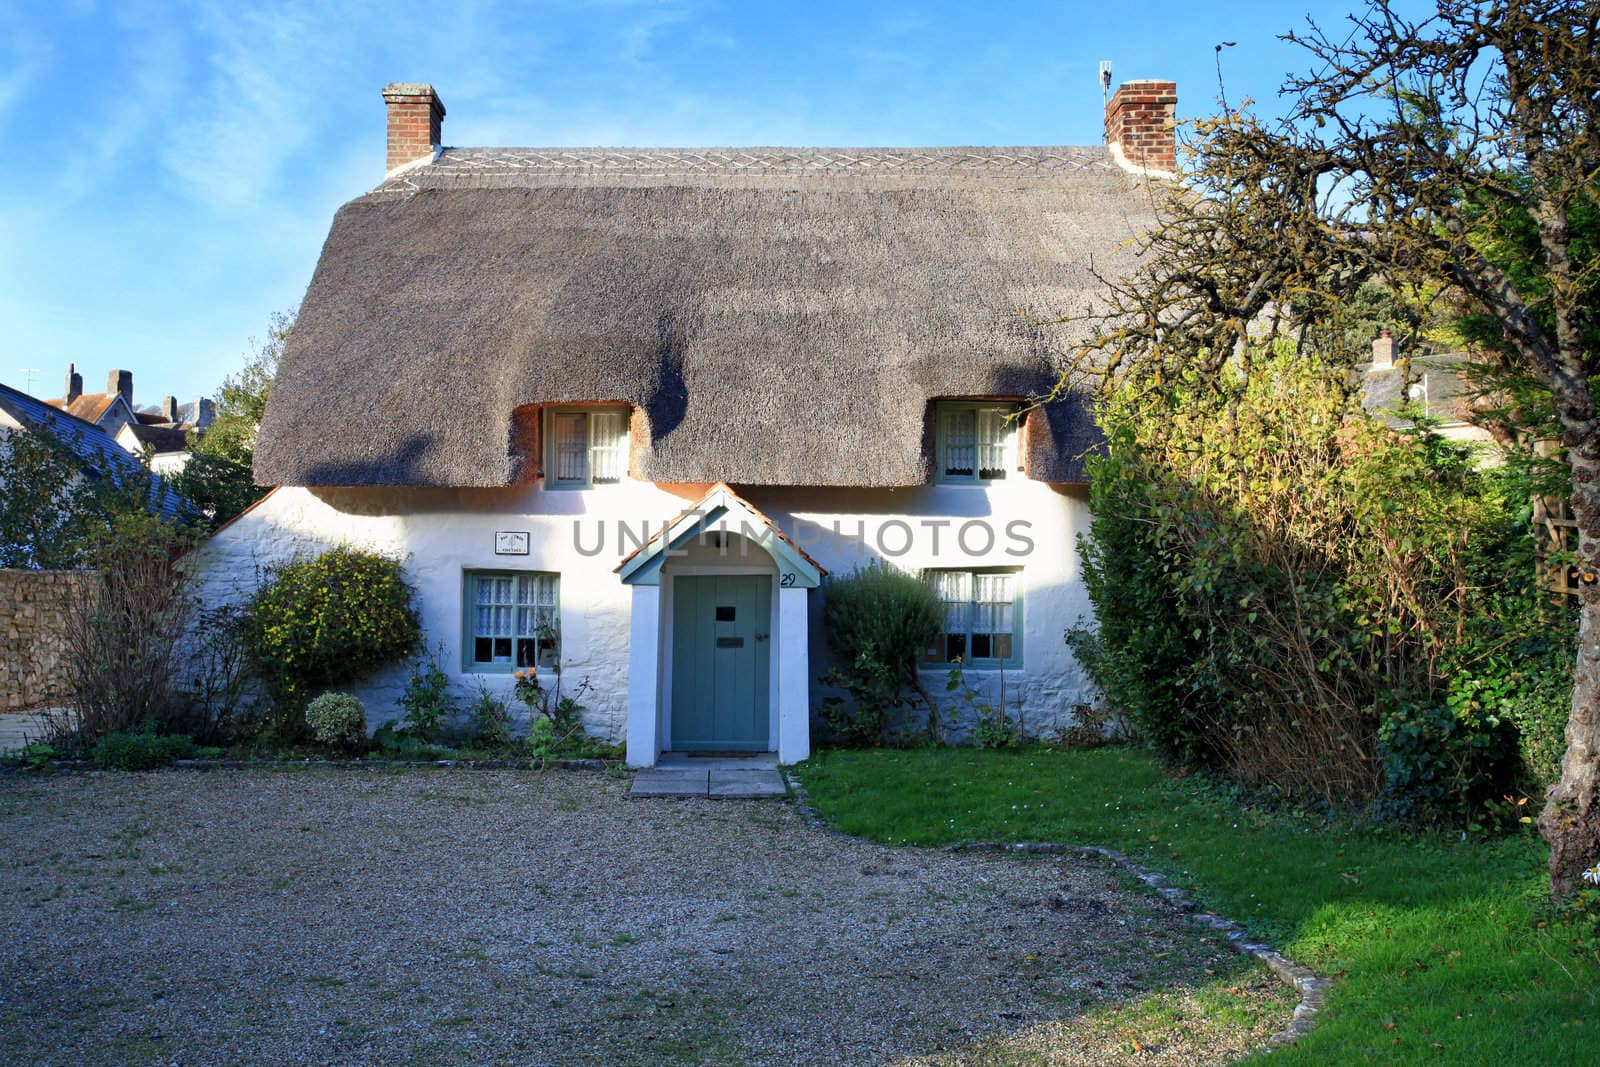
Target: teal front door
point(721, 662)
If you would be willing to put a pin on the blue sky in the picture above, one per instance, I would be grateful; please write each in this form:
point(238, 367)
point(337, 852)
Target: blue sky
point(172, 168)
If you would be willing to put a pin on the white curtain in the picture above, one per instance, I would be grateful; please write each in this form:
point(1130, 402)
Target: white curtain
point(572, 446)
point(607, 447)
point(960, 431)
point(992, 603)
point(955, 589)
point(994, 442)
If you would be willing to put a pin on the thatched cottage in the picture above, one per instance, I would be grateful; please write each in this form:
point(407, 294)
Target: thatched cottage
point(646, 399)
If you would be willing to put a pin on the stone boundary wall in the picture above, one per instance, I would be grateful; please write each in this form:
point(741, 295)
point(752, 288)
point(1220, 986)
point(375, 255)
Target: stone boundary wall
point(33, 635)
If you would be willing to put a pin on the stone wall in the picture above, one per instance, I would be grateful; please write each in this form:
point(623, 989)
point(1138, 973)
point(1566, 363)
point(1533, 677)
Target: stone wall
point(33, 634)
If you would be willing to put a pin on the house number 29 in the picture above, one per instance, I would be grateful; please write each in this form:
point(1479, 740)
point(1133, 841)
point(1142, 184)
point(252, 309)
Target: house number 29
point(786, 579)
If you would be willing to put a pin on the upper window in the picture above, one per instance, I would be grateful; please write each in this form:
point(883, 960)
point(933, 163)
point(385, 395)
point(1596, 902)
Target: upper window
point(982, 618)
point(977, 442)
point(513, 620)
point(587, 447)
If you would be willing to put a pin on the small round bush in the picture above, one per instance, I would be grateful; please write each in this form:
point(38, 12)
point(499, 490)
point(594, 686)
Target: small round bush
point(141, 750)
point(337, 720)
point(323, 621)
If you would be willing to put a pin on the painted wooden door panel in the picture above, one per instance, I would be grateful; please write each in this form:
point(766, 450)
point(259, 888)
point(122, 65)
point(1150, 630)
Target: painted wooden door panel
point(721, 648)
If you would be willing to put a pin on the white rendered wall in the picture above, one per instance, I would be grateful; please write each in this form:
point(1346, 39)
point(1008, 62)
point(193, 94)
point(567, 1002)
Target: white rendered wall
point(442, 533)
point(582, 535)
point(1035, 528)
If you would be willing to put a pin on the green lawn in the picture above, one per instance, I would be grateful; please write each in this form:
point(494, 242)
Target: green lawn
point(1435, 943)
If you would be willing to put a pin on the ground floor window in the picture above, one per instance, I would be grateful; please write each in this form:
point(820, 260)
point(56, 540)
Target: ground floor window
point(982, 617)
point(513, 620)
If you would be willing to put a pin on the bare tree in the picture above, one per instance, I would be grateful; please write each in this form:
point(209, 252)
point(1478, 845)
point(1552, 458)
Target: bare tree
point(1409, 148)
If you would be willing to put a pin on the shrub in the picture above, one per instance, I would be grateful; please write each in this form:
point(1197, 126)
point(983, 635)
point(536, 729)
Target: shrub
point(555, 726)
point(488, 724)
point(878, 621)
point(861, 717)
point(217, 678)
point(337, 720)
point(1517, 667)
point(1442, 762)
point(426, 700)
point(122, 631)
point(1269, 567)
point(142, 749)
point(318, 622)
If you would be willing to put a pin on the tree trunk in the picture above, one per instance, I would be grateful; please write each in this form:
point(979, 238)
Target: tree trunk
point(1570, 821)
point(935, 724)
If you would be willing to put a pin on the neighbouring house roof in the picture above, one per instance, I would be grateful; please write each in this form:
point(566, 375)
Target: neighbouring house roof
point(90, 407)
point(161, 439)
point(97, 451)
point(780, 316)
point(1435, 381)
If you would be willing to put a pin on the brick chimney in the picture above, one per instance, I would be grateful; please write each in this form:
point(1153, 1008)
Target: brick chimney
point(121, 381)
point(1140, 125)
point(1383, 351)
point(74, 383)
point(416, 116)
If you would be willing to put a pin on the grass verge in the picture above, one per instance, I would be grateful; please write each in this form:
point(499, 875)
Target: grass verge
point(1436, 945)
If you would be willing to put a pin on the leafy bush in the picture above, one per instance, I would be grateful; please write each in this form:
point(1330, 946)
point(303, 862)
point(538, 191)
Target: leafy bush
point(36, 755)
point(337, 720)
point(1516, 666)
point(555, 726)
point(1442, 761)
point(861, 717)
point(878, 621)
point(319, 622)
point(388, 742)
point(1269, 567)
point(426, 700)
point(488, 724)
point(142, 749)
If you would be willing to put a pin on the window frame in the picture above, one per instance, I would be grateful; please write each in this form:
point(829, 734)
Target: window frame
point(1011, 415)
point(552, 454)
point(470, 664)
point(1011, 662)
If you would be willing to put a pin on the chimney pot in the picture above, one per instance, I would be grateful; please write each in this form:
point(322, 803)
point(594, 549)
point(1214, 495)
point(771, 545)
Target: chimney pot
point(416, 119)
point(1383, 351)
point(1141, 125)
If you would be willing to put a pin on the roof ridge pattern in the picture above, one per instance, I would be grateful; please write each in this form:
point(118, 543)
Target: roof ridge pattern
point(462, 162)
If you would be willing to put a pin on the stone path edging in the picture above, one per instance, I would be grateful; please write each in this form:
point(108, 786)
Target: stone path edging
point(1311, 988)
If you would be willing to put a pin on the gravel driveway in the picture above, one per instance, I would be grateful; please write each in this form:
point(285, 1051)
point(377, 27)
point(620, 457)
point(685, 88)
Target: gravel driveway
point(457, 916)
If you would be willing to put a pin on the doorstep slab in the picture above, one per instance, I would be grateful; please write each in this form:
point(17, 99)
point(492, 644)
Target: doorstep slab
point(747, 783)
point(654, 782)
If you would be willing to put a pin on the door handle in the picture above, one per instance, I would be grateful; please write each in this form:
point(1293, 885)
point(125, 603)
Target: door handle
point(761, 637)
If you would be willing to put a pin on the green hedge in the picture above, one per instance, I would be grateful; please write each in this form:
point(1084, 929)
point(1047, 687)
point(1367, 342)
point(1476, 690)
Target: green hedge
point(1316, 602)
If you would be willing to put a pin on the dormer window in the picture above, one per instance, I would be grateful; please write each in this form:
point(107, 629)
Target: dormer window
point(587, 447)
point(976, 441)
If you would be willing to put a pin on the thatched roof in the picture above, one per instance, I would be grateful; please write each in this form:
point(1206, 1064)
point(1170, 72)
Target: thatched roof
point(781, 316)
